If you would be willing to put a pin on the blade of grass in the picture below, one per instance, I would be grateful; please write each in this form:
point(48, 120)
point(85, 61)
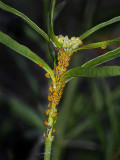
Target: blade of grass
point(103, 58)
point(111, 109)
point(94, 29)
point(79, 128)
point(24, 51)
point(25, 18)
point(58, 9)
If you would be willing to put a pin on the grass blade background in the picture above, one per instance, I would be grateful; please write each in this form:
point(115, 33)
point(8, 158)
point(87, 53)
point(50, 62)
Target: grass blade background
point(91, 72)
point(26, 114)
point(94, 29)
point(25, 18)
point(24, 51)
point(103, 58)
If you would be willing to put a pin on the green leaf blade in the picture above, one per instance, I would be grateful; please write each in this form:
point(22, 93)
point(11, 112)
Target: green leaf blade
point(103, 58)
point(25, 18)
point(51, 21)
point(91, 72)
point(24, 51)
point(94, 29)
point(98, 44)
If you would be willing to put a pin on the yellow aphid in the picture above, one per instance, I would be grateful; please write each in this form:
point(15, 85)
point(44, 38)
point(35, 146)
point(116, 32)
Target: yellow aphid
point(63, 54)
point(63, 85)
point(49, 98)
point(52, 106)
point(47, 112)
point(66, 64)
point(64, 70)
point(103, 47)
point(54, 115)
point(47, 75)
point(46, 123)
point(40, 65)
point(55, 94)
point(48, 104)
point(50, 89)
point(54, 121)
point(56, 110)
point(54, 130)
point(58, 68)
point(58, 58)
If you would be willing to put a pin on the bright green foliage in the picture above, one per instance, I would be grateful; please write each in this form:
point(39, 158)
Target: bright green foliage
point(91, 72)
point(23, 50)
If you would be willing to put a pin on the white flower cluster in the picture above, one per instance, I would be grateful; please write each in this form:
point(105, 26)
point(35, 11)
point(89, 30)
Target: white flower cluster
point(69, 44)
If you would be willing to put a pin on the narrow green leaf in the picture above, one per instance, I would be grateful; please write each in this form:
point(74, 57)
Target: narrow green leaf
point(24, 51)
point(94, 29)
point(59, 8)
point(26, 114)
point(51, 21)
point(98, 44)
point(25, 18)
point(103, 58)
point(91, 72)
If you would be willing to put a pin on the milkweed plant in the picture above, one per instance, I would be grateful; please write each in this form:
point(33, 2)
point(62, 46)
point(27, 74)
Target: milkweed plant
point(63, 48)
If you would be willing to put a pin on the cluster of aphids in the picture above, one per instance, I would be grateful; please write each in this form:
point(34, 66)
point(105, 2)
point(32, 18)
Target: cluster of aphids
point(63, 57)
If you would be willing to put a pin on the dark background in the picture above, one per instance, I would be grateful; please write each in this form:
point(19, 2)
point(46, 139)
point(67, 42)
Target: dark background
point(24, 88)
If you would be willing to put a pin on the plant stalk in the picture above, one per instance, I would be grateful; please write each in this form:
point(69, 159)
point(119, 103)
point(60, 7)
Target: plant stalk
point(48, 145)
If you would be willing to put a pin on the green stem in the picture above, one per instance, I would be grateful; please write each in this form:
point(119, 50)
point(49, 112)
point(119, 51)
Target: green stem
point(48, 145)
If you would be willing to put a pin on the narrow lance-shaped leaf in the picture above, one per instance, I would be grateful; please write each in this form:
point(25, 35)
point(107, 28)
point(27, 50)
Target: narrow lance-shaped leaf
point(25, 18)
point(94, 29)
point(51, 21)
point(24, 51)
point(91, 72)
point(103, 58)
point(98, 44)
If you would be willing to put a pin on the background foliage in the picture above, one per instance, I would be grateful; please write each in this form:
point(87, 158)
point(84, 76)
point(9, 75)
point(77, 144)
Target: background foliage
point(88, 123)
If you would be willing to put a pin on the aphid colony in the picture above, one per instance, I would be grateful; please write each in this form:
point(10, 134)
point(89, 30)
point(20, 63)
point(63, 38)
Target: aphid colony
point(56, 89)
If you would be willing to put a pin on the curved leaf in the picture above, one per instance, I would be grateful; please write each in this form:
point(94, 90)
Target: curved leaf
point(103, 58)
point(24, 51)
point(51, 20)
point(25, 18)
point(91, 72)
point(98, 44)
point(94, 29)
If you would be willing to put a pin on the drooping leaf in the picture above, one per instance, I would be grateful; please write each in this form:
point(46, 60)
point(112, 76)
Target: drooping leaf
point(103, 58)
point(51, 22)
point(91, 72)
point(98, 44)
point(25, 18)
point(94, 29)
point(24, 51)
